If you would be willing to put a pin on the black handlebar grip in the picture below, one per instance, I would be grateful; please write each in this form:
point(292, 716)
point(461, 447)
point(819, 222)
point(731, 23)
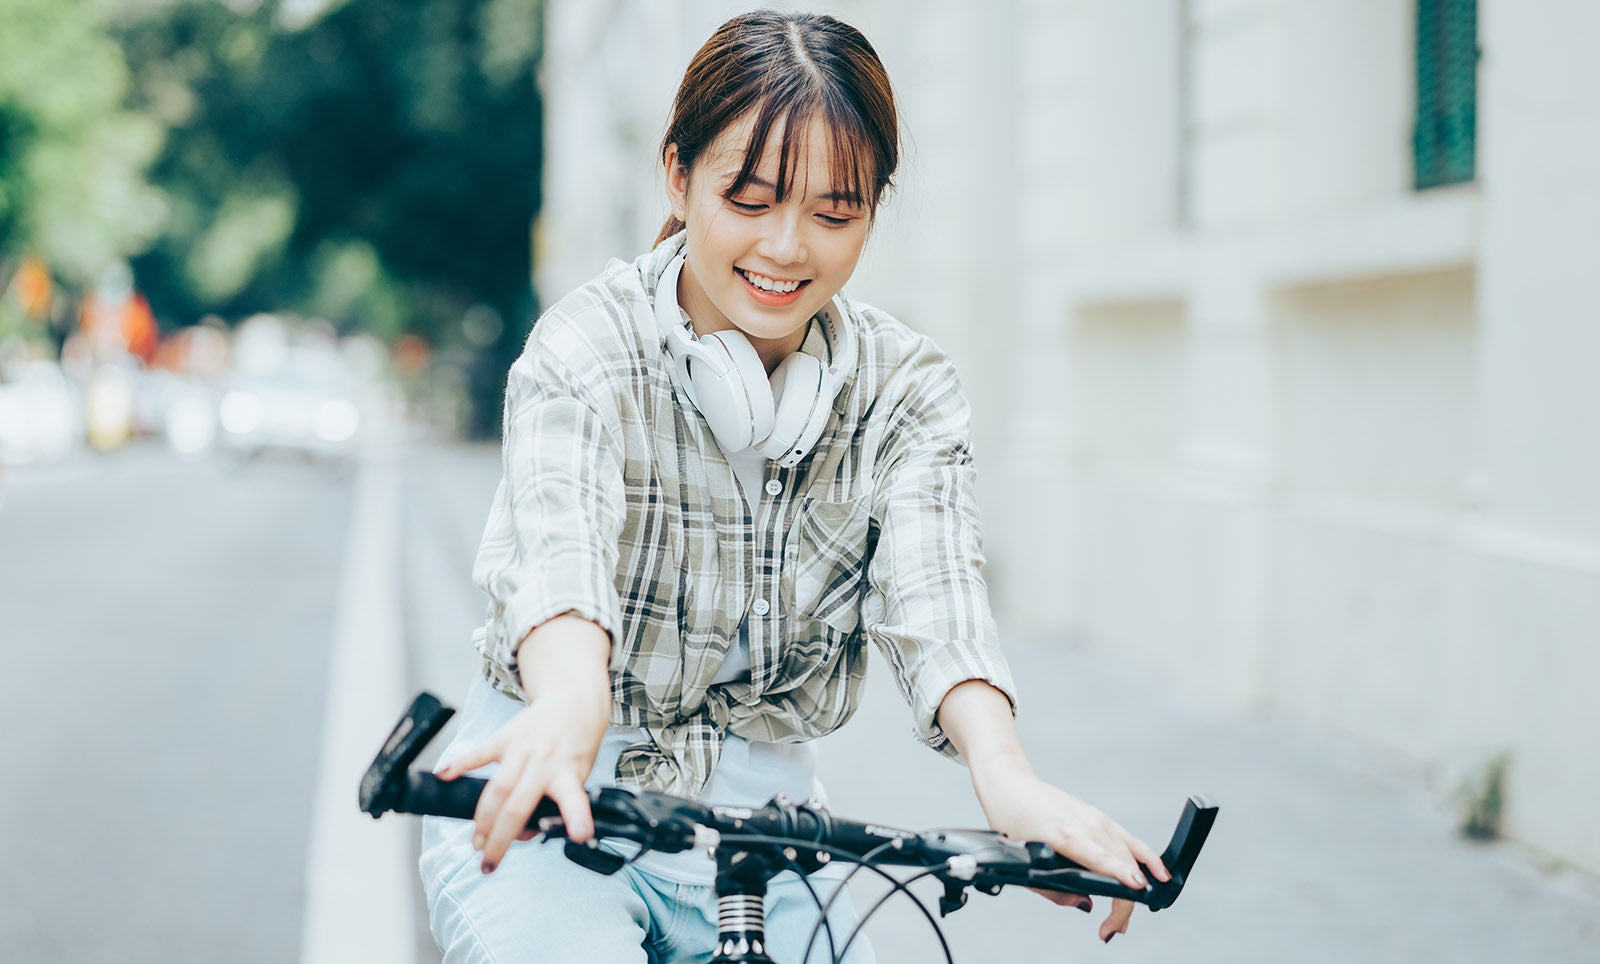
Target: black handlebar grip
point(427, 794)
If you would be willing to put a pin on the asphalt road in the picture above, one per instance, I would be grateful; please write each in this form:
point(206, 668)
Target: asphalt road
point(163, 635)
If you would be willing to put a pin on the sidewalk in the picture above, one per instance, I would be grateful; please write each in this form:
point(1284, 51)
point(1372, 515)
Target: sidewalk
point(1321, 852)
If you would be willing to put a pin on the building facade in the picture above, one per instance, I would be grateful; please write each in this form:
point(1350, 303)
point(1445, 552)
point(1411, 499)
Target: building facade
point(1280, 328)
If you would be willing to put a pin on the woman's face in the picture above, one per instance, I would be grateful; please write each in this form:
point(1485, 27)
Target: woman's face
point(755, 263)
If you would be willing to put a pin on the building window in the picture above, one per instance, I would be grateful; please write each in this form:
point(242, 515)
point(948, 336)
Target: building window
point(1445, 139)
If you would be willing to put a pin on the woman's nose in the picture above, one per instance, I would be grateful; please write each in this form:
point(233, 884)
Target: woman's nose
point(782, 241)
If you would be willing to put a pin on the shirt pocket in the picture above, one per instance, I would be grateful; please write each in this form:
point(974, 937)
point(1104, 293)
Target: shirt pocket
point(826, 557)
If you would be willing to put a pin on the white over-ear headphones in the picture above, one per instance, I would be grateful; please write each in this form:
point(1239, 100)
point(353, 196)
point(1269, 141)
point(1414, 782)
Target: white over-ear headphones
point(723, 376)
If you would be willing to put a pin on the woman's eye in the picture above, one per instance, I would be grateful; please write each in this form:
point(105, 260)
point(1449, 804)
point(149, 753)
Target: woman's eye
point(749, 207)
point(834, 220)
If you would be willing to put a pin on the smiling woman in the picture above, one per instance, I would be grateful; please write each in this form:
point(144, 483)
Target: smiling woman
point(761, 260)
point(723, 479)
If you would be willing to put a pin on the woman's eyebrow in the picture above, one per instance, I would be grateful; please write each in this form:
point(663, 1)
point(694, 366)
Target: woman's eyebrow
point(838, 197)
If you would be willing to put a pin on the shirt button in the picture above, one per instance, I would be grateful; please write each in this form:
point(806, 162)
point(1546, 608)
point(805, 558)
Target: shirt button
point(774, 486)
point(761, 607)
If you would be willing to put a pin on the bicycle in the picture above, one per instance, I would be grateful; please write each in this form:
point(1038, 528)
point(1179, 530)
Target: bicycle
point(751, 846)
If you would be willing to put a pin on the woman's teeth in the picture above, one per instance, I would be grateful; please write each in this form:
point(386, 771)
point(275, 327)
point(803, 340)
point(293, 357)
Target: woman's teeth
point(770, 284)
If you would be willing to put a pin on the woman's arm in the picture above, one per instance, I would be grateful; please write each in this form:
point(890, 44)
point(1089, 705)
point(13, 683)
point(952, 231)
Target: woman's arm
point(548, 560)
point(977, 719)
point(549, 747)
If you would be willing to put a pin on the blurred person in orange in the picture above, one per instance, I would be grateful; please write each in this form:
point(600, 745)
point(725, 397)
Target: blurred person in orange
point(117, 319)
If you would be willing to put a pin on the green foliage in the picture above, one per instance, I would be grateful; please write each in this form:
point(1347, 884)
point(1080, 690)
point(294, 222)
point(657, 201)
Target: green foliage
point(71, 157)
point(377, 166)
point(376, 163)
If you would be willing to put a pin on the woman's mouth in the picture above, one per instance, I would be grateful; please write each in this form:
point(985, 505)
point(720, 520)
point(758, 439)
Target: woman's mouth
point(775, 292)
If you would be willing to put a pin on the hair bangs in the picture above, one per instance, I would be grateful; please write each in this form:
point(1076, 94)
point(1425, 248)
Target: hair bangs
point(784, 72)
point(850, 151)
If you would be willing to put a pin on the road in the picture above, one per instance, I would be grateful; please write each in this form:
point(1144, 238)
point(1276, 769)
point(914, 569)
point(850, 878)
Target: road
point(165, 633)
point(169, 632)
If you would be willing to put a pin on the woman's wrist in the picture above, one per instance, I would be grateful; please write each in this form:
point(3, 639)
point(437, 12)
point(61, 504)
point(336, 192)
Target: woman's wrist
point(977, 718)
point(566, 660)
point(998, 768)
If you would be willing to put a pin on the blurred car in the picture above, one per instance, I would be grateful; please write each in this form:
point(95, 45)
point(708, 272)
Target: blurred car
point(309, 404)
point(41, 417)
point(189, 419)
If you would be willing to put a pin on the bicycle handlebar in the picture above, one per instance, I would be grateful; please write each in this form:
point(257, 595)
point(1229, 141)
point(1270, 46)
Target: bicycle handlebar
point(807, 834)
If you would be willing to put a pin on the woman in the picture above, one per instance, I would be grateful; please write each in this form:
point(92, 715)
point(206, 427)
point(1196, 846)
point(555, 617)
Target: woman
point(721, 480)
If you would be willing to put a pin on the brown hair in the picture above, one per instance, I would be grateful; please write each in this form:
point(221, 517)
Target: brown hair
point(790, 67)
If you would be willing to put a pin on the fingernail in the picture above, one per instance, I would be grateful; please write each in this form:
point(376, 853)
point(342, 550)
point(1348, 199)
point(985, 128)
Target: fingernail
point(477, 841)
point(488, 866)
point(1110, 935)
point(1086, 907)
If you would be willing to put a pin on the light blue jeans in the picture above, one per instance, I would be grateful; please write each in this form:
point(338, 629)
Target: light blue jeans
point(540, 907)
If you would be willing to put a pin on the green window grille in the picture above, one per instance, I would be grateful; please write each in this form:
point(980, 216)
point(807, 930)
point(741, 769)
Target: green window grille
point(1445, 138)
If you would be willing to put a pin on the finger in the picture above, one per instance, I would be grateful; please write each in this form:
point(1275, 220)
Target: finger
point(1081, 901)
point(512, 817)
point(492, 799)
point(1116, 922)
point(1123, 857)
point(1122, 847)
point(469, 759)
point(573, 802)
point(1148, 857)
point(1100, 860)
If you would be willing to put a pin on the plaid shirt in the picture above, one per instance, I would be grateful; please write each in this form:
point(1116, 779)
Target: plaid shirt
point(617, 505)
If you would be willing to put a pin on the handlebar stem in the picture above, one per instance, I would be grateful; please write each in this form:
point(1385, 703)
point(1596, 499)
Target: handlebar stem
point(741, 889)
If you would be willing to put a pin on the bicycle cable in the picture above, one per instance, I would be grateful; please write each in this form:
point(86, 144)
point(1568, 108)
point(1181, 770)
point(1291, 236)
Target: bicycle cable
point(859, 860)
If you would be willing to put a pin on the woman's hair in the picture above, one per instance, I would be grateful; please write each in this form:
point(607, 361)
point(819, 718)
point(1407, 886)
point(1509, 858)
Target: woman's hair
point(790, 68)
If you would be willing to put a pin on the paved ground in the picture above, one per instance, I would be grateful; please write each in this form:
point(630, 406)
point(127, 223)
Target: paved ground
point(1323, 852)
point(164, 629)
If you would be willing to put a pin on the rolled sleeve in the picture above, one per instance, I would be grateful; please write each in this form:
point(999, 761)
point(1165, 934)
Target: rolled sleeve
point(926, 576)
point(551, 544)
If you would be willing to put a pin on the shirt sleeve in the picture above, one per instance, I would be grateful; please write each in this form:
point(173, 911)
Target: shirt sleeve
point(927, 606)
point(551, 544)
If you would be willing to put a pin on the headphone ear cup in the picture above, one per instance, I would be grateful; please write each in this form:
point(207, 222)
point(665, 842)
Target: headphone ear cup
point(736, 402)
point(798, 403)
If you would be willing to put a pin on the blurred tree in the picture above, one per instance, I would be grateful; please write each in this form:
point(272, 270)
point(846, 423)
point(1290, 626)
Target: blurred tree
point(376, 164)
point(71, 157)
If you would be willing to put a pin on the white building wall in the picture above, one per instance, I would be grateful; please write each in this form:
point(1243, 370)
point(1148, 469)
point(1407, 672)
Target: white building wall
point(1528, 570)
point(1251, 414)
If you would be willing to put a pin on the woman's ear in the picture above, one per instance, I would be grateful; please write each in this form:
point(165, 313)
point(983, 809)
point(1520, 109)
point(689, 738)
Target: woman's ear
point(677, 181)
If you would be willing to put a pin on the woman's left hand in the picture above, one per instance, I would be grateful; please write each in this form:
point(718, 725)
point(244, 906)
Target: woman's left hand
point(977, 718)
point(1024, 807)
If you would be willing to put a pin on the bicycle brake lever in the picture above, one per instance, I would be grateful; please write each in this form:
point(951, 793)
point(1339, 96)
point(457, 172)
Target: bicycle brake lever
point(954, 897)
point(588, 854)
point(1082, 881)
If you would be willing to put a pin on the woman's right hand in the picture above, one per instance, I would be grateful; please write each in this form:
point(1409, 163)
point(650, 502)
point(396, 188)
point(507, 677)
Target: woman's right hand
point(549, 747)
